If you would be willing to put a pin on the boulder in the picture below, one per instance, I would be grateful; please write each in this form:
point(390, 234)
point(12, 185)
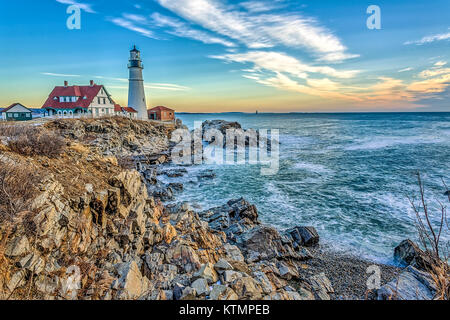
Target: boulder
point(19, 246)
point(233, 253)
point(178, 290)
point(188, 294)
point(247, 288)
point(200, 286)
point(222, 265)
point(131, 284)
point(411, 284)
point(229, 276)
point(408, 253)
point(207, 272)
point(321, 286)
point(304, 236)
point(221, 292)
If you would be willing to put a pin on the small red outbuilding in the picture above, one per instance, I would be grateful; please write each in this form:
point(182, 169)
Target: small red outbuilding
point(161, 113)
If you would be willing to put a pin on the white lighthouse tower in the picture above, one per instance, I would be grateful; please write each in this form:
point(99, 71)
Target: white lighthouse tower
point(136, 93)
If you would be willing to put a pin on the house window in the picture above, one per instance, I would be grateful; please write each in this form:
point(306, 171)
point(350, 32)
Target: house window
point(16, 115)
point(28, 115)
point(98, 100)
point(104, 101)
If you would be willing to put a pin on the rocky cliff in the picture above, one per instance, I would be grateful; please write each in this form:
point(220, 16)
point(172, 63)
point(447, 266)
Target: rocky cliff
point(94, 230)
point(96, 227)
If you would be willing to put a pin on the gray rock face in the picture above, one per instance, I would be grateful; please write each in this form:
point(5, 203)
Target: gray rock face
point(412, 284)
point(304, 236)
point(321, 286)
point(408, 253)
point(200, 286)
point(220, 125)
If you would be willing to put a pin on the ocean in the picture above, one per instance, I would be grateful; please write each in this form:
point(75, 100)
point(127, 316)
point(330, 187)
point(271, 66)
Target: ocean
point(348, 174)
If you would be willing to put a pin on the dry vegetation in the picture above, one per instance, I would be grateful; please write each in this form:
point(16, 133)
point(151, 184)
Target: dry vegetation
point(18, 184)
point(436, 252)
point(29, 140)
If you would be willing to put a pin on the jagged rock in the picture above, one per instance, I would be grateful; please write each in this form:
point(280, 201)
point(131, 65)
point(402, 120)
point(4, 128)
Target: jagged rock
point(264, 282)
point(174, 173)
point(229, 276)
point(19, 246)
point(233, 253)
point(304, 236)
point(207, 272)
point(287, 272)
point(222, 265)
point(265, 243)
point(247, 288)
point(169, 233)
point(221, 292)
point(33, 263)
point(305, 294)
point(188, 294)
point(408, 253)
point(176, 186)
point(208, 174)
point(321, 286)
point(131, 284)
point(16, 280)
point(183, 256)
point(412, 284)
point(178, 290)
point(200, 286)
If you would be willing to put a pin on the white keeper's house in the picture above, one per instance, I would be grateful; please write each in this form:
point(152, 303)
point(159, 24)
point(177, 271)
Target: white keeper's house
point(92, 100)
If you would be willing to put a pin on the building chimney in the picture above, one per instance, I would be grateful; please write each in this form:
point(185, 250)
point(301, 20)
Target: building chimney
point(92, 83)
point(66, 84)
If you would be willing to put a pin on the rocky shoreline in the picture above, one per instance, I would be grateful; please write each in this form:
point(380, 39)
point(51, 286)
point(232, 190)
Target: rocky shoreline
point(125, 236)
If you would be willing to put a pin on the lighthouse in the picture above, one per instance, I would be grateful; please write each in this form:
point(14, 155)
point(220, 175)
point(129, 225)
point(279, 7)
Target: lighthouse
point(136, 93)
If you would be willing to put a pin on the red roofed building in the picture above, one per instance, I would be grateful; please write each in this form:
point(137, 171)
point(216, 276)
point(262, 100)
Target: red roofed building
point(161, 113)
point(125, 111)
point(80, 100)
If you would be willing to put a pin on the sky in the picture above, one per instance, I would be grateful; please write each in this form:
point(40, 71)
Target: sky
point(223, 55)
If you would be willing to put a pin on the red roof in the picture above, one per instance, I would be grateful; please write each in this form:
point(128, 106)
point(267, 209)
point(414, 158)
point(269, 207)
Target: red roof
point(90, 92)
point(117, 108)
point(129, 109)
point(160, 108)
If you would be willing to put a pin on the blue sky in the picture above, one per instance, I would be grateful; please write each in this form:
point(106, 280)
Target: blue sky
point(216, 55)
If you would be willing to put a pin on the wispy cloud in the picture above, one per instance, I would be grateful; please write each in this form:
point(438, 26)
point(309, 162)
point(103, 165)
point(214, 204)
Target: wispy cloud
point(261, 29)
point(130, 25)
point(59, 74)
point(147, 85)
point(260, 6)
point(83, 6)
point(406, 69)
point(430, 39)
point(181, 29)
point(283, 63)
point(166, 86)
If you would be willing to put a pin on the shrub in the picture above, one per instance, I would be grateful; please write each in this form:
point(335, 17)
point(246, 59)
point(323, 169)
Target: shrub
point(431, 239)
point(18, 184)
point(29, 141)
